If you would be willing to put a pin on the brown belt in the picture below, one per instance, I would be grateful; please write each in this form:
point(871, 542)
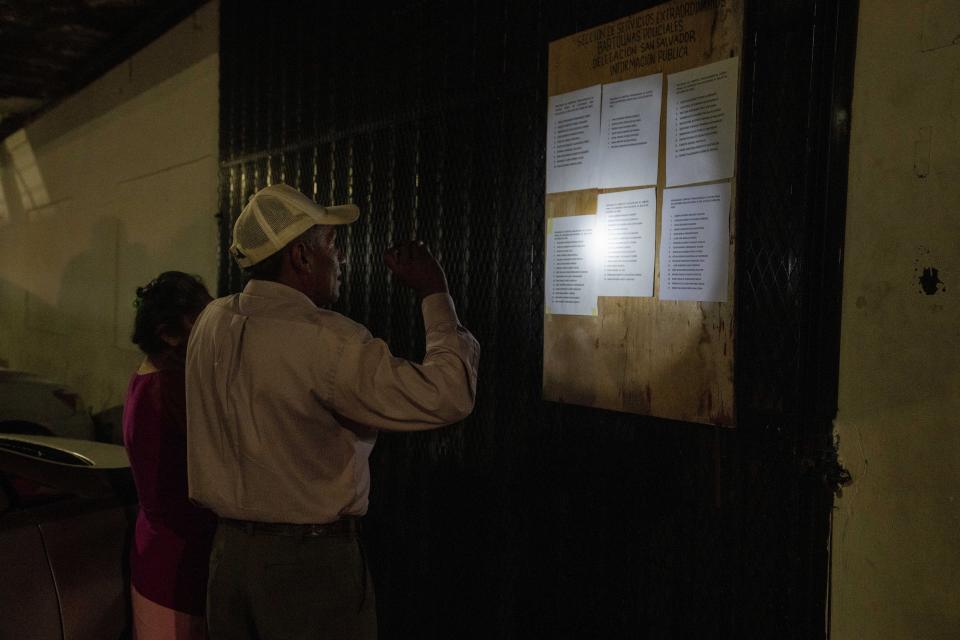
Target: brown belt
point(345, 526)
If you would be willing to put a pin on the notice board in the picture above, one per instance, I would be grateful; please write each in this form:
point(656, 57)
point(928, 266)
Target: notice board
point(640, 213)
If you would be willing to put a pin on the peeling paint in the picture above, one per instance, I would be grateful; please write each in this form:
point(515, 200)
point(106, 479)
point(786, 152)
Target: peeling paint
point(930, 281)
point(927, 275)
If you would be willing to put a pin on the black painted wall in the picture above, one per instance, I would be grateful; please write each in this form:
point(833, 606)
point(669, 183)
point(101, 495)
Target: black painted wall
point(532, 519)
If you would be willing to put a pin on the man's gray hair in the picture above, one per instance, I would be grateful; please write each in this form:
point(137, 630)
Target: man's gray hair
point(269, 268)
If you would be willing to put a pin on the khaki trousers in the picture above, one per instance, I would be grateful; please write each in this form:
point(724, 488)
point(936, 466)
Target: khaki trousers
point(265, 586)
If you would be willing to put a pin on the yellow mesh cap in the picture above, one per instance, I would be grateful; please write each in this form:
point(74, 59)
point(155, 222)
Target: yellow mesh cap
point(274, 216)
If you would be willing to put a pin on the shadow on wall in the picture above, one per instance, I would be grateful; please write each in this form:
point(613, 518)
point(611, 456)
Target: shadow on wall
point(87, 283)
point(77, 332)
point(95, 306)
point(76, 341)
point(74, 338)
point(60, 358)
point(89, 304)
point(86, 299)
point(69, 273)
point(19, 351)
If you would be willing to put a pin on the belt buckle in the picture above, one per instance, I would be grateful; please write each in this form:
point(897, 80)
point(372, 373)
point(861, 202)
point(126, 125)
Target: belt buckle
point(316, 530)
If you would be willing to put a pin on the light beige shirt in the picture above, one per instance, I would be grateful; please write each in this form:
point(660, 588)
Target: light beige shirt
point(284, 400)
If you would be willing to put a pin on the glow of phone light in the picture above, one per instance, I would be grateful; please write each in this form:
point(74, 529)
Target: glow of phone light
point(598, 246)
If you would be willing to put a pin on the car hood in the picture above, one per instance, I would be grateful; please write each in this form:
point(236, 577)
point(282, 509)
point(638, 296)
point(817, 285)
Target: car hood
point(65, 451)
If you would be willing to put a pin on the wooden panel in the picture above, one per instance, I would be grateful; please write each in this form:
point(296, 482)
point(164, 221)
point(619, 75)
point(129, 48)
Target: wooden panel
point(642, 355)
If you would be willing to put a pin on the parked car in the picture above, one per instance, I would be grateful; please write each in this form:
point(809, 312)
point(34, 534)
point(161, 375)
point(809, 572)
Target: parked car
point(66, 513)
point(30, 404)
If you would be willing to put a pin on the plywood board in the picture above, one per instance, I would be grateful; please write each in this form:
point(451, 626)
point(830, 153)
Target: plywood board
point(643, 355)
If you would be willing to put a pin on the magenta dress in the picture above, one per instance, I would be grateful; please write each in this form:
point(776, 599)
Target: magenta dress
point(171, 545)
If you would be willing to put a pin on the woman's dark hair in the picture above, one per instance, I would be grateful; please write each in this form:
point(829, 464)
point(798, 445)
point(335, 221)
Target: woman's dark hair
point(161, 305)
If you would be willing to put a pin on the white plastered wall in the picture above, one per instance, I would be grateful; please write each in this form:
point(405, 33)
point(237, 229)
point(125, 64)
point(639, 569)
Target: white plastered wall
point(896, 529)
point(98, 195)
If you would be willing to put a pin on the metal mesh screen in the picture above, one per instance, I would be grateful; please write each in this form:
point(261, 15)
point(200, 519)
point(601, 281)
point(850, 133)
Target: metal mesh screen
point(530, 519)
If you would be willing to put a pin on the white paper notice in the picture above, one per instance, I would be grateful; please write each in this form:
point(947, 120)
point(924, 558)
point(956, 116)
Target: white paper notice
point(702, 123)
point(695, 242)
point(626, 229)
point(630, 132)
point(573, 140)
point(571, 286)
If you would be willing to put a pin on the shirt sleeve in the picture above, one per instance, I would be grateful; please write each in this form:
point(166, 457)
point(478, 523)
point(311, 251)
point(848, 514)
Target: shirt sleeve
point(374, 388)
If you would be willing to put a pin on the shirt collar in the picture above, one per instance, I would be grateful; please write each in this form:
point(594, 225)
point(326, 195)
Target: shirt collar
point(270, 289)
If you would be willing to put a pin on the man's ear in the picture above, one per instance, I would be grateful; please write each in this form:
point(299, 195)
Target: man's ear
point(298, 257)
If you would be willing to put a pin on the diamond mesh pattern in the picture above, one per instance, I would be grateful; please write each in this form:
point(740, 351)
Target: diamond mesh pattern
point(532, 519)
point(275, 216)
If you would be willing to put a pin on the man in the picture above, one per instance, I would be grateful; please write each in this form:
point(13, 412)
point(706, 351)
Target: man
point(284, 398)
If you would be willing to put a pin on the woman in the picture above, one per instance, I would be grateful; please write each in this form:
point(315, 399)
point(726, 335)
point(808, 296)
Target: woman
point(171, 546)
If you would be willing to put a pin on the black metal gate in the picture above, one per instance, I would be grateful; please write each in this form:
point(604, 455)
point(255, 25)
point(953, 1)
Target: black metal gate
point(531, 519)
